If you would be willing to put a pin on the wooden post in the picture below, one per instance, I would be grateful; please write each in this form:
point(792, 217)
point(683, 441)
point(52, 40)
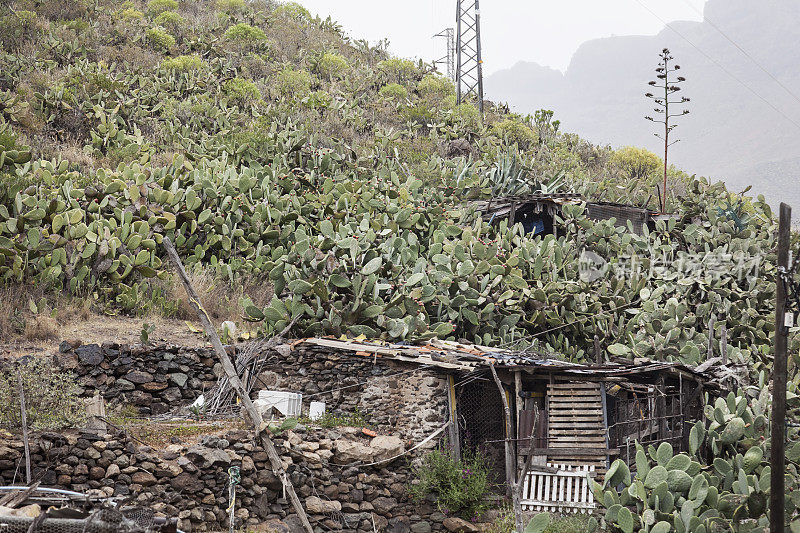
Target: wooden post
point(513, 214)
point(598, 352)
point(661, 408)
point(518, 403)
point(514, 488)
point(711, 322)
point(510, 462)
point(236, 384)
point(452, 428)
point(724, 344)
point(778, 442)
point(24, 420)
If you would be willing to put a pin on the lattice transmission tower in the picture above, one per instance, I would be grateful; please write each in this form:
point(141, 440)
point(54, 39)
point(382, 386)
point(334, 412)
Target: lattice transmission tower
point(448, 60)
point(469, 65)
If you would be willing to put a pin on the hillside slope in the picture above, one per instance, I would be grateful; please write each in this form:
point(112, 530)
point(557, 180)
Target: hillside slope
point(601, 95)
point(303, 175)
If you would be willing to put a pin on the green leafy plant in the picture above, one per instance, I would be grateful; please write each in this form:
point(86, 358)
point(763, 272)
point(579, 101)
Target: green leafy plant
point(156, 7)
point(144, 335)
point(160, 39)
point(458, 486)
point(394, 91)
point(52, 398)
point(293, 82)
point(332, 65)
point(245, 33)
point(183, 63)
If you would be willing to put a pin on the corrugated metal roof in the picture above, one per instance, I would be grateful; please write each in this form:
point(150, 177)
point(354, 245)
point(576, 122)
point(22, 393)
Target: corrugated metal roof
point(468, 357)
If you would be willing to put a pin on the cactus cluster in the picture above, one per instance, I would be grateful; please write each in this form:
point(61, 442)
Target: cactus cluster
point(680, 492)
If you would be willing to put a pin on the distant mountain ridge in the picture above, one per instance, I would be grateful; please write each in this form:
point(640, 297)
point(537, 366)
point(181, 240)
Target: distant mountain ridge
point(731, 133)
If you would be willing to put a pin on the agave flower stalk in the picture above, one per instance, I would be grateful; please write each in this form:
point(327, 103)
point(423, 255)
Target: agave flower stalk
point(670, 84)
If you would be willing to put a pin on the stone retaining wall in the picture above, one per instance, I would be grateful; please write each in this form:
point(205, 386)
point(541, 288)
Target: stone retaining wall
point(189, 480)
point(394, 397)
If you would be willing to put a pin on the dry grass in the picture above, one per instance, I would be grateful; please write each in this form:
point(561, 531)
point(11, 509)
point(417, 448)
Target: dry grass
point(220, 300)
point(40, 328)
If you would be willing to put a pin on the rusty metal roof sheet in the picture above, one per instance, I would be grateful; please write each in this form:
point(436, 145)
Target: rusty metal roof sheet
point(451, 355)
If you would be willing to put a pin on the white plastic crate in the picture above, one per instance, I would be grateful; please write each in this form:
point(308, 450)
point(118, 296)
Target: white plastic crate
point(288, 403)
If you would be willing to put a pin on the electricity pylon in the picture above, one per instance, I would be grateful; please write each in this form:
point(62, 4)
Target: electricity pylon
point(469, 65)
point(449, 60)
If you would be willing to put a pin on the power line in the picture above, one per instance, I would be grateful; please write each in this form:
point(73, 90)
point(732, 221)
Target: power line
point(743, 51)
point(720, 65)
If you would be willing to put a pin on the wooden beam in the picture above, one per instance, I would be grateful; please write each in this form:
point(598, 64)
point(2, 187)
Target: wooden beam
point(236, 384)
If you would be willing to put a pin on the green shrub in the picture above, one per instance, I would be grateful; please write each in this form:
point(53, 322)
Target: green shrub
point(636, 163)
point(183, 63)
point(514, 131)
point(436, 87)
point(293, 82)
point(468, 115)
point(394, 91)
point(293, 11)
point(419, 113)
point(51, 396)
point(458, 486)
point(229, 6)
point(156, 7)
point(16, 28)
point(318, 100)
point(131, 13)
point(245, 33)
point(397, 69)
point(170, 19)
point(241, 91)
point(332, 65)
point(160, 39)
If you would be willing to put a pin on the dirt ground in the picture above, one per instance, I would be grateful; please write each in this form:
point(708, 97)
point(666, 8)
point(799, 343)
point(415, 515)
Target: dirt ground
point(97, 329)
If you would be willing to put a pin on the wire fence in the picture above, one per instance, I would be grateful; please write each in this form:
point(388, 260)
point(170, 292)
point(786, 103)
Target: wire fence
point(481, 424)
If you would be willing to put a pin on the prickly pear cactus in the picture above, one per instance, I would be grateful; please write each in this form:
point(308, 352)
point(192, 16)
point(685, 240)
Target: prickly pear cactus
point(678, 492)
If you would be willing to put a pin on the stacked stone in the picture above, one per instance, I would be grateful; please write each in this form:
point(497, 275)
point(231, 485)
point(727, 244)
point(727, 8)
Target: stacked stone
point(155, 379)
point(396, 397)
point(190, 481)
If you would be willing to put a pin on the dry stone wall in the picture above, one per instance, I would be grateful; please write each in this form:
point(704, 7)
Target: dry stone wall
point(189, 480)
point(397, 398)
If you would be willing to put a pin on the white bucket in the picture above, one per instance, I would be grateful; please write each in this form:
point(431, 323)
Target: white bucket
point(316, 410)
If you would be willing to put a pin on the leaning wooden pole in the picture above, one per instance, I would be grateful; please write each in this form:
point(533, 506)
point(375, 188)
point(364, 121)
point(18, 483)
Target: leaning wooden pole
point(236, 384)
point(24, 420)
point(777, 444)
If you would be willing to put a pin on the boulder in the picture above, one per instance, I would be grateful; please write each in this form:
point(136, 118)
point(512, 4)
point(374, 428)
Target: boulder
point(206, 457)
point(386, 447)
point(349, 451)
point(316, 505)
point(144, 479)
point(90, 355)
point(186, 483)
point(457, 525)
point(137, 376)
point(179, 379)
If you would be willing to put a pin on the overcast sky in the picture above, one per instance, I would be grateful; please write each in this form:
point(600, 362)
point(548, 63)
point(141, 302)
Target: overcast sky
point(546, 32)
